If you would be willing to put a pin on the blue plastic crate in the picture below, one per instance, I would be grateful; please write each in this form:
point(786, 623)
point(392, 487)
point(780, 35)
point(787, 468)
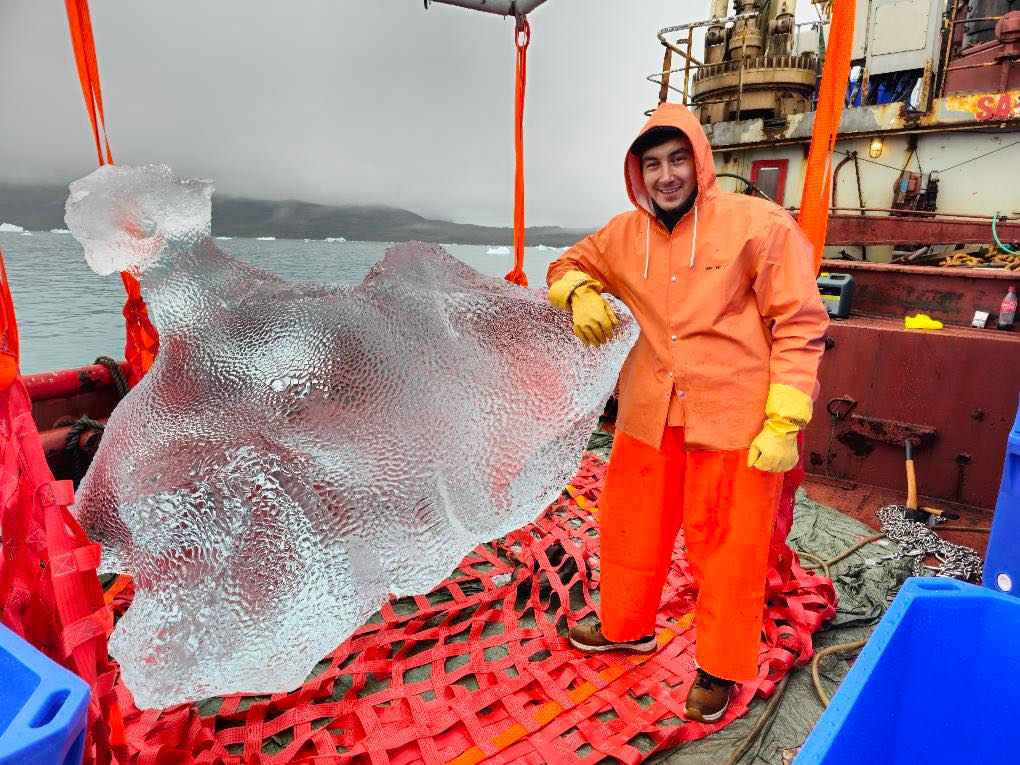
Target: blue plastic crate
point(1002, 561)
point(936, 683)
point(42, 707)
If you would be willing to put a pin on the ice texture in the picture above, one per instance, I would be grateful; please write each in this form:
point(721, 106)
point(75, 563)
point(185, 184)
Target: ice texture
point(300, 451)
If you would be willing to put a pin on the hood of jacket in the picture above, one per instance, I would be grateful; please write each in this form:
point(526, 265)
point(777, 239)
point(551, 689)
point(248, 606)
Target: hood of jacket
point(681, 118)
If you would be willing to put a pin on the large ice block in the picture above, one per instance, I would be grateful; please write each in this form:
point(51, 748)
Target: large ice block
point(300, 451)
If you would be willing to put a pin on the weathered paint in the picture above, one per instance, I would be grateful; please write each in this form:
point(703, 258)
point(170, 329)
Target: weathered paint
point(853, 229)
point(977, 169)
point(68, 382)
point(955, 111)
point(963, 383)
point(68, 394)
point(882, 290)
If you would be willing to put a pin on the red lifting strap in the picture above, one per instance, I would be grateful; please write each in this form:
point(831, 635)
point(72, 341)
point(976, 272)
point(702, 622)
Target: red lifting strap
point(142, 338)
point(522, 38)
point(814, 203)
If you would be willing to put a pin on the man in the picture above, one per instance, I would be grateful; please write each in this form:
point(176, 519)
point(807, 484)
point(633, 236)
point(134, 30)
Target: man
point(712, 396)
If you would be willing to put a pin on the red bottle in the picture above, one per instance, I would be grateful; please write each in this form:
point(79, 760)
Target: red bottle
point(1008, 310)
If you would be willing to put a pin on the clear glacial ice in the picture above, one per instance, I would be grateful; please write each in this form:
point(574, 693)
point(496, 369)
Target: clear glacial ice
point(299, 452)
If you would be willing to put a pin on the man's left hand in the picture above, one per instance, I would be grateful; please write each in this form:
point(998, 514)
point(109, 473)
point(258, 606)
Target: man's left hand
point(773, 453)
point(787, 412)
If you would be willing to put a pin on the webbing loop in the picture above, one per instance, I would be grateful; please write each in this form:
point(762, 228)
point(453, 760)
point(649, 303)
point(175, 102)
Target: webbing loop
point(522, 39)
point(814, 203)
point(142, 339)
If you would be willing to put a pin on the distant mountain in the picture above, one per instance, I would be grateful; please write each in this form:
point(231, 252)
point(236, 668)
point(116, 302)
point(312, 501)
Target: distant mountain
point(41, 208)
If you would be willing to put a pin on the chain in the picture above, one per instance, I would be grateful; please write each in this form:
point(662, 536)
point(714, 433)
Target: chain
point(917, 541)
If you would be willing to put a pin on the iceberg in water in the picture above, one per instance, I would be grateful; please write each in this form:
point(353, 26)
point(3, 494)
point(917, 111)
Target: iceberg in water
point(335, 239)
point(59, 231)
point(10, 228)
point(267, 238)
point(498, 251)
point(224, 238)
point(300, 451)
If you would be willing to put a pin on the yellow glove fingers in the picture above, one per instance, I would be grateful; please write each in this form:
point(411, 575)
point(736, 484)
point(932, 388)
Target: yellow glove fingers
point(606, 323)
point(593, 317)
point(772, 453)
point(752, 455)
point(586, 335)
point(612, 314)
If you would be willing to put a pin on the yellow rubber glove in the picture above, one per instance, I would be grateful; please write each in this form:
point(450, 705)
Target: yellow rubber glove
point(594, 319)
point(787, 413)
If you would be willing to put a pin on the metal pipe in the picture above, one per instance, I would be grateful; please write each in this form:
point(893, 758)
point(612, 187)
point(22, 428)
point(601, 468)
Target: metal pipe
point(977, 66)
point(658, 78)
point(740, 74)
point(978, 18)
point(835, 179)
point(687, 64)
point(69, 382)
point(923, 213)
point(705, 23)
point(949, 48)
point(750, 184)
point(500, 7)
point(686, 54)
point(667, 62)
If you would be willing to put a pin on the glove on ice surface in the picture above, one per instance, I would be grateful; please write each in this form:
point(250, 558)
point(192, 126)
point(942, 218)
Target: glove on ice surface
point(299, 451)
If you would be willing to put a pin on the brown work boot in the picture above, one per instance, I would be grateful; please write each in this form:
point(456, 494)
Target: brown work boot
point(708, 698)
point(589, 637)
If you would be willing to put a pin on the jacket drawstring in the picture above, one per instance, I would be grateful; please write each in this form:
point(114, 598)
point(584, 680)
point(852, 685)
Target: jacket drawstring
point(648, 241)
point(648, 245)
point(694, 236)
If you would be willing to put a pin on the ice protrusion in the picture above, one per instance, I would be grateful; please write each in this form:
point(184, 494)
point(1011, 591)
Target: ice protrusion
point(11, 228)
point(300, 451)
point(126, 218)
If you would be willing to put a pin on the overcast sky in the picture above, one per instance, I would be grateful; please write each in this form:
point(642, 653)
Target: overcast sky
point(343, 101)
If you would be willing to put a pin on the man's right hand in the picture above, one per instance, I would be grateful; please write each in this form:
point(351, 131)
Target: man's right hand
point(594, 319)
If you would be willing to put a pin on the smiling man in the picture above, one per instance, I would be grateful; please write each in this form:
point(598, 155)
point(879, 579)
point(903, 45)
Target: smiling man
point(712, 396)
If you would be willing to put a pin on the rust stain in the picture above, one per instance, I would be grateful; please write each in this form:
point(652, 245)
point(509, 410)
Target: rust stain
point(860, 445)
point(89, 379)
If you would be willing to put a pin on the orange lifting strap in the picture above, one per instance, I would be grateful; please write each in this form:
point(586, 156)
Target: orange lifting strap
point(814, 203)
point(522, 38)
point(142, 338)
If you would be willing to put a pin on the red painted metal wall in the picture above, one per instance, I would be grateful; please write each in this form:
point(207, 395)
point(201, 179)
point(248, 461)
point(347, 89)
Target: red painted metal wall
point(964, 383)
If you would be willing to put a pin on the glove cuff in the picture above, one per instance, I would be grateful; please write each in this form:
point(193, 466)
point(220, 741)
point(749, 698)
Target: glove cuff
point(562, 289)
point(788, 410)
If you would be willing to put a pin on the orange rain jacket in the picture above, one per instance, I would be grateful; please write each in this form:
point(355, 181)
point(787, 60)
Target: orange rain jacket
point(727, 305)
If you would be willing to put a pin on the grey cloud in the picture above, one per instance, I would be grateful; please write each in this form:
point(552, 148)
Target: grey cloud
point(342, 101)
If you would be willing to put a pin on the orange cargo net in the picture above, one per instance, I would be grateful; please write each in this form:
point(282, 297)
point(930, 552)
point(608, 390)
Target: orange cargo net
point(479, 670)
point(142, 338)
point(49, 592)
point(814, 203)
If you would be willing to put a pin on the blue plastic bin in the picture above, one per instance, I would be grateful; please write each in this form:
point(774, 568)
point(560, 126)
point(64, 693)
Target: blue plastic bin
point(1002, 561)
point(937, 682)
point(42, 707)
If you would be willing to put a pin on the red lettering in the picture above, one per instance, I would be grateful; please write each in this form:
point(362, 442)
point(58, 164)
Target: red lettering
point(1004, 109)
point(984, 108)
